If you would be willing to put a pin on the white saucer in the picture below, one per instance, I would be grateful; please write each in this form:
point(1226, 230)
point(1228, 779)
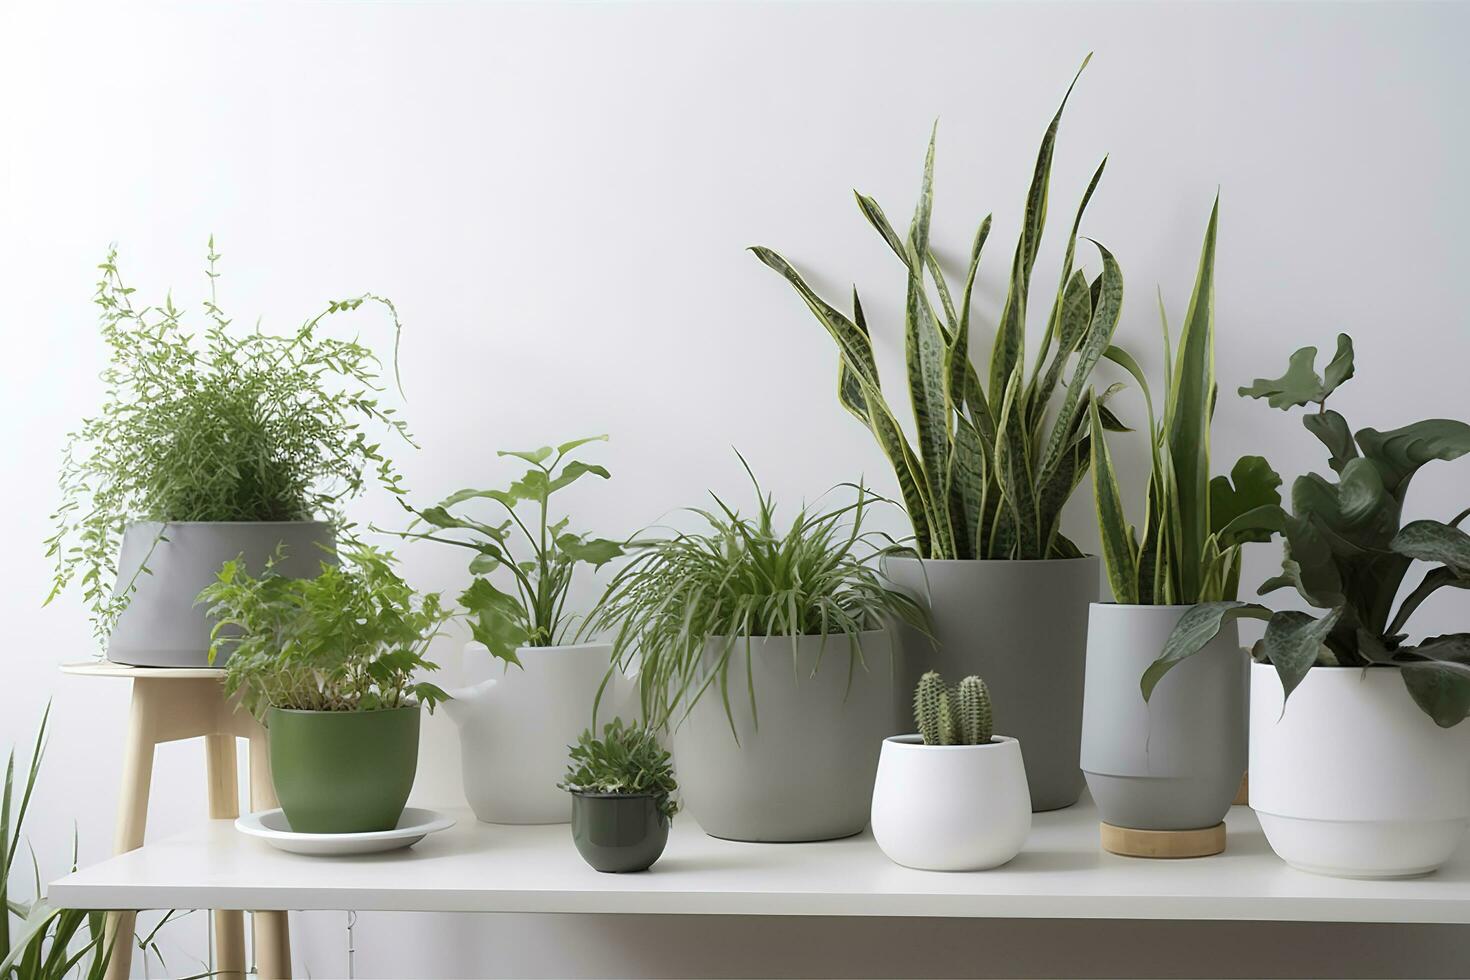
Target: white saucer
point(271, 827)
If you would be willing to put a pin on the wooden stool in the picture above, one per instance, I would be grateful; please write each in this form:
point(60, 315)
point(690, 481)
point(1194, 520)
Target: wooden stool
point(170, 704)
point(1163, 843)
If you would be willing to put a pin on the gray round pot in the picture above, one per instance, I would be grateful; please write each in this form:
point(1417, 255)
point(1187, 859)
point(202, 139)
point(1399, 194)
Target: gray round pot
point(806, 771)
point(161, 625)
point(1022, 626)
point(1175, 762)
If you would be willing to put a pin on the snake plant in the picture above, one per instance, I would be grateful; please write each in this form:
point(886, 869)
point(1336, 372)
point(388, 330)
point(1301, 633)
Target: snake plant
point(1347, 554)
point(1194, 526)
point(994, 466)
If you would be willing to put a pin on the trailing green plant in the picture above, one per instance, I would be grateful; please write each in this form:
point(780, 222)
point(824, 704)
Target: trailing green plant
point(958, 716)
point(994, 465)
point(1347, 553)
point(213, 423)
point(1194, 527)
point(684, 597)
point(534, 615)
point(627, 760)
point(351, 639)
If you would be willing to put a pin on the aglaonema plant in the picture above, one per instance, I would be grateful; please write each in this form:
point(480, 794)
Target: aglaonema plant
point(1347, 553)
point(1194, 526)
point(994, 465)
point(534, 614)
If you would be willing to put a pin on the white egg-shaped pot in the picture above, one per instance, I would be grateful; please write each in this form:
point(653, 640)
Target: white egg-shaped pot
point(951, 807)
point(1351, 778)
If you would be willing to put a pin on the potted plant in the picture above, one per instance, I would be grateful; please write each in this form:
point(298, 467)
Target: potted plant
point(622, 787)
point(1172, 764)
point(211, 442)
point(1391, 799)
point(767, 655)
point(997, 459)
point(328, 665)
point(952, 797)
point(514, 727)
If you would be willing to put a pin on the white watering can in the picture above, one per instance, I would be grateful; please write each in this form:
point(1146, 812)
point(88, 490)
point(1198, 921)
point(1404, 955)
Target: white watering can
point(515, 728)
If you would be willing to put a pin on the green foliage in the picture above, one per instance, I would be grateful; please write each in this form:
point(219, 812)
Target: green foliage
point(37, 940)
point(1194, 527)
point(350, 639)
point(995, 467)
point(1347, 554)
point(743, 578)
point(627, 760)
point(217, 423)
point(960, 716)
point(533, 615)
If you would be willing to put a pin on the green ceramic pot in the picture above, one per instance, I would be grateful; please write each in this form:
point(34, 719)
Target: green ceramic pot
point(343, 772)
point(615, 832)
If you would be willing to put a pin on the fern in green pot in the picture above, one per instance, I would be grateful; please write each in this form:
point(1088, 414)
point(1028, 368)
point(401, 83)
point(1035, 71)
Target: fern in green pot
point(1001, 446)
point(1188, 550)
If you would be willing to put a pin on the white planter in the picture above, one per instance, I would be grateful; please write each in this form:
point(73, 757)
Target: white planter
point(951, 807)
point(1353, 779)
point(515, 729)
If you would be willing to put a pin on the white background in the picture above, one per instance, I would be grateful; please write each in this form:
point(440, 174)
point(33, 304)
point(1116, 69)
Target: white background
point(558, 197)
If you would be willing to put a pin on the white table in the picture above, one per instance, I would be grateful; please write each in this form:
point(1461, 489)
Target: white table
point(475, 867)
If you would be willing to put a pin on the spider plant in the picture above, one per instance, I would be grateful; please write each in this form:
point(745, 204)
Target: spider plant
point(683, 603)
point(994, 467)
point(1194, 526)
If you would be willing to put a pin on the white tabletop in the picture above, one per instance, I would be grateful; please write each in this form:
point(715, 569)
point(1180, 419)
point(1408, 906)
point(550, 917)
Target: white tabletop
point(484, 868)
point(106, 668)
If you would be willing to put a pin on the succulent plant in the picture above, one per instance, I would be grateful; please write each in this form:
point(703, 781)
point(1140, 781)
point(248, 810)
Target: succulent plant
point(952, 717)
point(1347, 553)
point(997, 458)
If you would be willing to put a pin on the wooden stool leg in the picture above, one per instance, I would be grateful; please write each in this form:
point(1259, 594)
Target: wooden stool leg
point(271, 930)
point(132, 819)
point(224, 804)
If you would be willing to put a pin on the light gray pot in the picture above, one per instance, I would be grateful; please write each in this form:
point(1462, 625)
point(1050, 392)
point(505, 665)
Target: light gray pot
point(161, 626)
point(1022, 626)
point(806, 771)
point(1175, 762)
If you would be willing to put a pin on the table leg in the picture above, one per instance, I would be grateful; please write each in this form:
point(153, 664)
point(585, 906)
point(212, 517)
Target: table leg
point(272, 930)
point(132, 818)
point(224, 804)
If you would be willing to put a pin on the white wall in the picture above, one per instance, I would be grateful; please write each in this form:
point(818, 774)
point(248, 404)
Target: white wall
point(557, 197)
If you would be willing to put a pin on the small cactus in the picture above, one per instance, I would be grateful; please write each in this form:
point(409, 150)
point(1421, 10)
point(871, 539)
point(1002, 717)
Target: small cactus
point(973, 700)
point(958, 718)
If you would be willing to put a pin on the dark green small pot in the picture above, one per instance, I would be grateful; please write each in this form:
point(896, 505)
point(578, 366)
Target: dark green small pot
point(343, 772)
point(617, 833)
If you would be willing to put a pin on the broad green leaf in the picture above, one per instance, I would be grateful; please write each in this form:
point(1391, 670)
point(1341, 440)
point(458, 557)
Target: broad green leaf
point(572, 471)
point(1361, 495)
point(484, 564)
point(1120, 550)
point(1340, 368)
point(1332, 429)
point(595, 551)
point(1301, 385)
point(567, 447)
point(1434, 580)
point(1400, 452)
point(1292, 643)
point(1195, 629)
point(496, 619)
point(1256, 525)
point(1440, 684)
point(1432, 541)
point(534, 485)
point(1255, 485)
point(1310, 564)
point(534, 456)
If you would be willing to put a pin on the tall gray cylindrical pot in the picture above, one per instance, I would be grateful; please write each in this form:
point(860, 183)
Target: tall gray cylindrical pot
point(805, 771)
point(1174, 762)
point(161, 626)
point(1022, 626)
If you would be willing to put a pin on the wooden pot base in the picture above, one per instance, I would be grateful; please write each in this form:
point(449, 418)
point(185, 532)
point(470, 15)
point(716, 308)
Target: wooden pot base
point(1128, 842)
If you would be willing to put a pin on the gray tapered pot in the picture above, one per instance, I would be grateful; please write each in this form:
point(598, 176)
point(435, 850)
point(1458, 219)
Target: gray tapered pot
point(1175, 762)
point(1022, 626)
point(806, 771)
point(161, 625)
